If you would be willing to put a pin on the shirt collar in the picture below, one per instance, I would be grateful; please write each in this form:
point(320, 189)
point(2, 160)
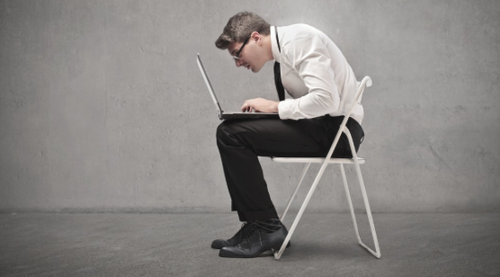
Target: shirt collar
point(274, 45)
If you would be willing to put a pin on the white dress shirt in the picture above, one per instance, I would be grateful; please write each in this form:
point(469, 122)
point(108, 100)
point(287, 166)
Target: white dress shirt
point(315, 73)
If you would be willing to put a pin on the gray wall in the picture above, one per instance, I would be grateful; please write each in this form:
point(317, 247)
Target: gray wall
point(102, 107)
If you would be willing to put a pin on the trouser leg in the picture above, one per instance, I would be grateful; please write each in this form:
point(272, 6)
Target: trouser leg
point(240, 143)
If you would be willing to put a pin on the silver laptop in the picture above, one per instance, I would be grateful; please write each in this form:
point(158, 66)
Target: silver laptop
point(229, 115)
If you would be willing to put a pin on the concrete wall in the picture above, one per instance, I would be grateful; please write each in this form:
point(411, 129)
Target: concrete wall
point(102, 107)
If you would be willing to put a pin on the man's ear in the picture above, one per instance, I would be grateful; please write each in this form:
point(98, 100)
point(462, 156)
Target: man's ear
point(257, 37)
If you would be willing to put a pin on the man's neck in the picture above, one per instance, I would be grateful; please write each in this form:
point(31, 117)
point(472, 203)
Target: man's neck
point(267, 47)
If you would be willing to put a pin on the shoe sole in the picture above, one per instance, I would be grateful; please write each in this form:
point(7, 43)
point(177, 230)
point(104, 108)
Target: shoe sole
point(265, 253)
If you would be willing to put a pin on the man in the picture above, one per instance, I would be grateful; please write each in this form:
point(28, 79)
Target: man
point(314, 72)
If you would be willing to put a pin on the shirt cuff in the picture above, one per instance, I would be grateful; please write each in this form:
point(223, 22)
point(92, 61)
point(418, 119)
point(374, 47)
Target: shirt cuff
point(285, 109)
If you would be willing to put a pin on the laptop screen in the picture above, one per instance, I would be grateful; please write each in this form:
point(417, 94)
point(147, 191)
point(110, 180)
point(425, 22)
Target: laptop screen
point(209, 84)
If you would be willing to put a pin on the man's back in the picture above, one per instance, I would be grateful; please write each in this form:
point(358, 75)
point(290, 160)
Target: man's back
point(303, 45)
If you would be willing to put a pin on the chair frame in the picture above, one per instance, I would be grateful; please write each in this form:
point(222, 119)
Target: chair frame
point(357, 161)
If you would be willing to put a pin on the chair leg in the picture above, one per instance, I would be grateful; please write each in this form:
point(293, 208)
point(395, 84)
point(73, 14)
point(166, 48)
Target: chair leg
point(304, 171)
point(349, 201)
point(375, 253)
point(277, 255)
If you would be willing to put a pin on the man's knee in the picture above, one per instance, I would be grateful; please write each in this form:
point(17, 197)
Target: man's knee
point(232, 132)
point(222, 130)
point(225, 132)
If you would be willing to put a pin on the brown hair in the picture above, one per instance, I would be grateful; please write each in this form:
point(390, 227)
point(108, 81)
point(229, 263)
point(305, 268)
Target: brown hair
point(240, 27)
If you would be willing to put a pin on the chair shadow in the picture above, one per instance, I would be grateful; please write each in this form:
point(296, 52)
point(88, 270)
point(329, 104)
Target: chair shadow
point(330, 250)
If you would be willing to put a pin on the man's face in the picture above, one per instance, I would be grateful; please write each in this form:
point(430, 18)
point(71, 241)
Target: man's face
point(249, 56)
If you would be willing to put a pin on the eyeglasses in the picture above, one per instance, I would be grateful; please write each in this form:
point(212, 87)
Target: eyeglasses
point(237, 55)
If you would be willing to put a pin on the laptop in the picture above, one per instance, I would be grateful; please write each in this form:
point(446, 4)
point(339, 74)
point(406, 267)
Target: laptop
point(229, 115)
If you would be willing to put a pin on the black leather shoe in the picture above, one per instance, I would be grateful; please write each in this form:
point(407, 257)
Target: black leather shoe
point(255, 243)
point(235, 240)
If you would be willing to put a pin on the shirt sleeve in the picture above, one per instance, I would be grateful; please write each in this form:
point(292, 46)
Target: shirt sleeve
point(313, 66)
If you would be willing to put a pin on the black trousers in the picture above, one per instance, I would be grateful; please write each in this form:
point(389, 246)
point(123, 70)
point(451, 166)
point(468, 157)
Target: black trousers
point(241, 141)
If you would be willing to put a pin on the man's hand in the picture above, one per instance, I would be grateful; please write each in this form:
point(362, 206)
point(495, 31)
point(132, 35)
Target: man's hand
point(260, 105)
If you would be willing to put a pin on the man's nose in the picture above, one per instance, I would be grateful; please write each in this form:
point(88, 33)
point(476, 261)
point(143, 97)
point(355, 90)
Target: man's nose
point(238, 63)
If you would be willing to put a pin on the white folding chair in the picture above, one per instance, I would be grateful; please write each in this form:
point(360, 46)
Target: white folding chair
point(366, 82)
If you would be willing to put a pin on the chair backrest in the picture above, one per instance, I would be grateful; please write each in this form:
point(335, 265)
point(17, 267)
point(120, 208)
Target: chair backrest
point(366, 82)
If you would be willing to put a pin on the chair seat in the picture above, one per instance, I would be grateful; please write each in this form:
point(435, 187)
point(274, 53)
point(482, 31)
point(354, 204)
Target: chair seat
point(317, 160)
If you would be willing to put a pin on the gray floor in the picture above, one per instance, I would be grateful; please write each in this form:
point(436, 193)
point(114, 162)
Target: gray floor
point(178, 245)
